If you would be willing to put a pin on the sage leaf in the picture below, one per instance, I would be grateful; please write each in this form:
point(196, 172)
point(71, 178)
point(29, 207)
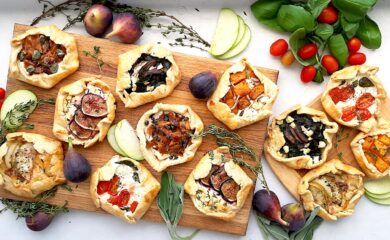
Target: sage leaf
point(369, 33)
point(324, 31)
point(349, 28)
point(338, 48)
point(270, 229)
point(291, 18)
point(296, 41)
point(354, 10)
point(266, 9)
point(316, 6)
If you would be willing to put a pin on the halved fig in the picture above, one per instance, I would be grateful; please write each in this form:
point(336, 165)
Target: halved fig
point(80, 132)
point(299, 133)
point(206, 180)
point(229, 190)
point(93, 105)
point(85, 121)
point(217, 178)
point(288, 134)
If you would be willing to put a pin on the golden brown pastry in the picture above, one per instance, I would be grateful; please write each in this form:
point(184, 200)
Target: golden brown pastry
point(353, 97)
point(145, 74)
point(243, 96)
point(217, 186)
point(124, 188)
point(84, 112)
point(169, 134)
point(335, 187)
point(301, 137)
point(43, 56)
point(30, 164)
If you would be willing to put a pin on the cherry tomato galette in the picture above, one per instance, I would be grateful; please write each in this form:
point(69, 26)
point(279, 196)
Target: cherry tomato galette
point(124, 188)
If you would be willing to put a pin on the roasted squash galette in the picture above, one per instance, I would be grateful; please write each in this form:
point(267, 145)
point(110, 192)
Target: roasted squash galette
point(84, 112)
point(43, 56)
point(217, 186)
point(124, 188)
point(243, 96)
point(169, 135)
point(30, 164)
point(353, 97)
point(301, 137)
point(145, 74)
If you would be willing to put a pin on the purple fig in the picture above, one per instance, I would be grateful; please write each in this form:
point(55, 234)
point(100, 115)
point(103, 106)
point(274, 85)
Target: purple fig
point(294, 214)
point(126, 27)
point(39, 221)
point(97, 19)
point(76, 167)
point(267, 204)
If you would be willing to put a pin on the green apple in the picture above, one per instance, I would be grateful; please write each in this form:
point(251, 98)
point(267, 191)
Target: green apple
point(127, 140)
point(385, 201)
point(241, 30)
point(112, 141)
point(380, 186)
point(242, 45)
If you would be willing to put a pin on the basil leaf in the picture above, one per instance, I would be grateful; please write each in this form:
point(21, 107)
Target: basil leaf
point(349, 28)
point(319, 78)
point(272, 24)
point(316, 6)
point(266, 9)
point(297, 40)
point(369, 33)
point(128, 163)
point(324, 31)
point(354, 10)
point(292, 17)
point(338, 48)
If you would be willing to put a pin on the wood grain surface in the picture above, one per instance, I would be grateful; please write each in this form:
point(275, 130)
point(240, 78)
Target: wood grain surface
point(100, 153)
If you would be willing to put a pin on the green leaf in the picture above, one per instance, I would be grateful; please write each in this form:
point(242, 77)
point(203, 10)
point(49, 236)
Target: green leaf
point(338, 48)
point(324, 31)
point(291, 18)
point(319, 78)
point(266, 9)
point(369, 33)
point(272, 24)
point(349, 28)
point(316, 6)
point(271, 229)
point(297, 40)
point(354, 10)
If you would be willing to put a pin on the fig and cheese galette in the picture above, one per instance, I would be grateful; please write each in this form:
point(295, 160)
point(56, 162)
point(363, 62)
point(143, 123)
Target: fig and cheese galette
point(30, 164)
point(243, 96)
point(145, 74)
point(169, 135)
point(124, 188)
point(218, 187)
point(43, 56)
point(335, 187)
point(301, 137)
point(353, 97)
point(84, 112)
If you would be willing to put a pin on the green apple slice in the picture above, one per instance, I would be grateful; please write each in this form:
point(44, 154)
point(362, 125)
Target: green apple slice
point(225, 33)
point(241, 30)
point(112, 141)
point(242, 45)
point(127, 140)
point(380, 186)
point(378, 196)
point(385, 201)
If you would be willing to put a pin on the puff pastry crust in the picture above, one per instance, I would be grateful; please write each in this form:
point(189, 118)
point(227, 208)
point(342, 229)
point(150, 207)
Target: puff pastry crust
point(217, 168)
point(301, 137)
point(335, 187)
point(68, 65)
point(145, 74)
point(181, 138)
point(124, 188)
point(346, 88)
point(69, 118)
point(243, 96)
point(30, 164)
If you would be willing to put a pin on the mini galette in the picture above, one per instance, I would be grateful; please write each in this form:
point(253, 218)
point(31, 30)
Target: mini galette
point(30, 164)
point(335, 187)
point(145, 74)
point(353, 97)
point(301, 137)
point(217, 186)
point(243, 96)
point(84, 112)
point(124, 188)
point(43, 56)
point(169, 135)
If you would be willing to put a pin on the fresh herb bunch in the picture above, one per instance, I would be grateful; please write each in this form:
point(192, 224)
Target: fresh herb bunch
point(95, 55)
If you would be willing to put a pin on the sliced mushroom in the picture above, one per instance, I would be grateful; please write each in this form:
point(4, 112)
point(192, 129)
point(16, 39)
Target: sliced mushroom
point(217, 178)
point(80, 132)
point(299, 133)
point(93, 105)
point(206, 180)
point(85, 121)
point(288, 134)
point(229, 190)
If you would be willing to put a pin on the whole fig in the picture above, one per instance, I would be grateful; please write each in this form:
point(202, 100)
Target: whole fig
point(294, 214)
point(97, 19)
point(267, 204)
point(39, 221)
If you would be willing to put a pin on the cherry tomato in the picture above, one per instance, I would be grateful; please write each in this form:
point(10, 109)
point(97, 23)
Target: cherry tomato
point(2, 93)
point(123, 198)
point(133, 206)
point(356, 58)
point(334, 94)
point(308, 73)
point(349, 113)
point(287, 58)
point(279, 47)
point(330, 63)
point(309, 50)
point(114, 182)
point(354, 45)
point(365, 101)
point(341, 94)
point(328, 15)
point(113, 200)
point(363, 114)
point(103, 187)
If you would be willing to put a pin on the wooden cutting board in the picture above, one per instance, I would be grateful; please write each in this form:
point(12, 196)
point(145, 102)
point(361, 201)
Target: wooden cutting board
point(341, 149)
point(100, 153)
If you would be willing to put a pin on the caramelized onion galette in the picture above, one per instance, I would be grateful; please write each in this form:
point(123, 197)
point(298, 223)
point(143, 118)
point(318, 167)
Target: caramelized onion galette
point(30, 164)
point(353, 97)
point(145, 74)
point(124, 188)
point(84, 112)
point(243, 96)
point(43, 56)
point(217, 186)
point(301, 137)
point(169, 135)
point(335, 187)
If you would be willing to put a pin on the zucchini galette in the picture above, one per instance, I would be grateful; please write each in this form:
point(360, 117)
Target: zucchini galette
point(353, 97)
point(124, 188)
point(145, 74)
point(335, 187)
point(30, 164)
point(301, 137)
point(243, 96)
point(84, 112)
point(43, 56)
point(217, 186)
point(169, 135)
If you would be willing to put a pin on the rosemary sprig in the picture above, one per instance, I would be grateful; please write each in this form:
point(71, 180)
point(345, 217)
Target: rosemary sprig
point(95, 55)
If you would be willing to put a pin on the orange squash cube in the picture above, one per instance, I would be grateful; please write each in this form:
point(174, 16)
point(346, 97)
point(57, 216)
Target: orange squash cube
point(384, 139)
point(252, 74)
point(237, 77)
point(368, 141)
point(229, 95)
point(243, 103)
point(242, 89)
point(380, 147)
point(381, 165)
point(256, 91)
point(371, 158)
point(235, 110)
point(230, 102)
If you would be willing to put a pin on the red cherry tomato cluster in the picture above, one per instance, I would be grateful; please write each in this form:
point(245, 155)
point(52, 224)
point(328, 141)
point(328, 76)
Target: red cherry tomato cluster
point(355, 57)
point(2, 96)
point(279, 48)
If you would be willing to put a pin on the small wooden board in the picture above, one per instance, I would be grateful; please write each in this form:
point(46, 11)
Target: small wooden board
point(290, 178)
point(100, 153)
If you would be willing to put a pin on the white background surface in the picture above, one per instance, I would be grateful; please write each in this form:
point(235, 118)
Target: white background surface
point(370, 221)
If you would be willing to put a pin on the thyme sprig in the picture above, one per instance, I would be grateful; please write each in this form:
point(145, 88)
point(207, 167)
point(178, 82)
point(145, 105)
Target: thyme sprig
point(95, 55)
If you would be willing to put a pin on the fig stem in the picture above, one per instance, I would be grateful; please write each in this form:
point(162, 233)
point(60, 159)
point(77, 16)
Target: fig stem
point(70, 145)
